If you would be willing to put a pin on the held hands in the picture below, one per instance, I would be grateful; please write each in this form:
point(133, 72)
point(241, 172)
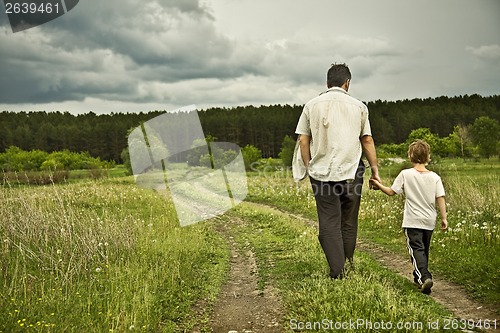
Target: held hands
point(375, 184)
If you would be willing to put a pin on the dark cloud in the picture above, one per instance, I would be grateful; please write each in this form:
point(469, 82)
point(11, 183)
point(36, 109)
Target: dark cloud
point(179, 52)
point(107, 48)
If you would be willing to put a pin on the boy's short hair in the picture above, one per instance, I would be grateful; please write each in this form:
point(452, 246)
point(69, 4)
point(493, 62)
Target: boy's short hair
point(419, 152)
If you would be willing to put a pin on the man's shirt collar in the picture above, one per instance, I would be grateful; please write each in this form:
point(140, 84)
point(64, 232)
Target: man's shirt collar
point(333, 89)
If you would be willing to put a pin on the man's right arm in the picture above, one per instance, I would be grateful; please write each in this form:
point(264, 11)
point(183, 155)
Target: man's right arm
point(371, 155)
point(305, 149)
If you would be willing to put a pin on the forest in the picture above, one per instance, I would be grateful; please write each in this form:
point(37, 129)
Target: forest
point(265, 127)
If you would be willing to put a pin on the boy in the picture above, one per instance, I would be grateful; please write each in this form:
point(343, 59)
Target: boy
point(422, 188)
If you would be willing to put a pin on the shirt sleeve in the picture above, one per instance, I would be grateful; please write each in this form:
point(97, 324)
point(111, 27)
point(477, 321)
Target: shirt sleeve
point(439, 188)
point(398, 184)
point(365, 123)
point(303, 126)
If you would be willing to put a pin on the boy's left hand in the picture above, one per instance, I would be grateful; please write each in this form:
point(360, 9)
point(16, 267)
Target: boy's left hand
point(444, 225)
point(374, 184)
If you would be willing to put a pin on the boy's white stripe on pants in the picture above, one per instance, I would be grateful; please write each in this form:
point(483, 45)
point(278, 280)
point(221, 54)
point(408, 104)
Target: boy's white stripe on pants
point(413, 260)
point(418, 242)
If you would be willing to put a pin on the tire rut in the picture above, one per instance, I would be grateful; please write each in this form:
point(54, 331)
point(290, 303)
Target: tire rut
point(241, 306)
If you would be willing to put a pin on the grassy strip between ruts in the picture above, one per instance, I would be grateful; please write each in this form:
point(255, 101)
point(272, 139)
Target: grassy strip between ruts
point(103, 256)
point(466, 254)
point(370, 299)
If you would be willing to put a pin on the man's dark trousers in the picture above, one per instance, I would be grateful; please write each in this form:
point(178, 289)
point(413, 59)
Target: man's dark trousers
point(338, 206)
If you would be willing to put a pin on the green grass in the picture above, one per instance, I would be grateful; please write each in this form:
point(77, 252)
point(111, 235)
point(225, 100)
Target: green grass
point(105, 255)
point(290, 258)
point(102, 256)
point(467, 254)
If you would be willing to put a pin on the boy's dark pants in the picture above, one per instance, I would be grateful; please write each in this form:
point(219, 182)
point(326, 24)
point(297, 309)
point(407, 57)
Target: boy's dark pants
point(418, 242)
point(338, 206)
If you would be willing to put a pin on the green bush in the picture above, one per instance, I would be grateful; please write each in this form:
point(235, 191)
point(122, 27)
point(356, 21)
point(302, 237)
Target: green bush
point(392, 150)
point(287, 149)
point(251, 154)
point(15, 159)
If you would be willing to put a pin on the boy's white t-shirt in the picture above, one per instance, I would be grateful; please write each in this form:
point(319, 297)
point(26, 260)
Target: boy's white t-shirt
point(421, 190)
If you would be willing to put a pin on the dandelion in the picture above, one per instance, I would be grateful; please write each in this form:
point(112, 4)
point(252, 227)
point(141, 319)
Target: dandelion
point(98, 269)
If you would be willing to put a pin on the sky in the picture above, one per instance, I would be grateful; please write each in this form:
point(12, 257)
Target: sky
point(132, 56)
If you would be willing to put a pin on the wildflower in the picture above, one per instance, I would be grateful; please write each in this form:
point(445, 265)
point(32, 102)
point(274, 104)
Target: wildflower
point(98, 269)
point(58, 251)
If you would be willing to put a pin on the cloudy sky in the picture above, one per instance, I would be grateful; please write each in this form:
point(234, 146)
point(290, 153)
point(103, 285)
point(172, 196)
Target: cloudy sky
point(131, 56)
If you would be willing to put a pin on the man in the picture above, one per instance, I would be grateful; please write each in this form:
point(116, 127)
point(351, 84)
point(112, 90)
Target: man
point(334, 131)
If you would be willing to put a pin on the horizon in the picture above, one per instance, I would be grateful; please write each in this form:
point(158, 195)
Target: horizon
point(243, 106)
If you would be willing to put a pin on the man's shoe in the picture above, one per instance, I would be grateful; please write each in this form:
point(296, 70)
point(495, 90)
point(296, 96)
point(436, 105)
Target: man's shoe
point(426, 287)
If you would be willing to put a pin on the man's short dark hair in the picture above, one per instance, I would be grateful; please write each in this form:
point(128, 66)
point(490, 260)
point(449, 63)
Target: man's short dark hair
point(337, 75)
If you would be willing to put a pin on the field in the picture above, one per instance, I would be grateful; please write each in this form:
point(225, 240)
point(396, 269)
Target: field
point(106, 256)
point(466, 254)
point(101, 256)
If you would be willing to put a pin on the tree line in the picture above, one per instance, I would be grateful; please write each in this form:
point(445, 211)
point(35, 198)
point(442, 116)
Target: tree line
point(265, 127)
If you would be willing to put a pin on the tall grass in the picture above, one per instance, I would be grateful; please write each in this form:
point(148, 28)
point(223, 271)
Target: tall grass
point(467, 253)
point(102, 256)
